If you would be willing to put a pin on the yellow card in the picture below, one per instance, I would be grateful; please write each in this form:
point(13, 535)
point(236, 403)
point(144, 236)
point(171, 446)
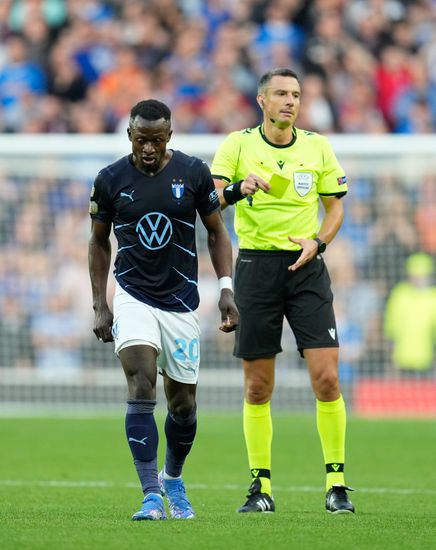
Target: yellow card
point(279, 184)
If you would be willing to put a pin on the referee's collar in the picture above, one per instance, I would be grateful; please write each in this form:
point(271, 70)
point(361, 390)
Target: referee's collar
point(294, 138)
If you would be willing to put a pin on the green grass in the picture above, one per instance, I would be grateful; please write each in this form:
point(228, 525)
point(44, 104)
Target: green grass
point(70, 483)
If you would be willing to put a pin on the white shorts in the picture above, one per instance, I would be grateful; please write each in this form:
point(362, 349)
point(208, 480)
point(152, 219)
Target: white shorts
point(175, 336)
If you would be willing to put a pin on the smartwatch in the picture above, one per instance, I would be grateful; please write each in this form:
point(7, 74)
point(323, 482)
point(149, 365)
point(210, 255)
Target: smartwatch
point(321, 245)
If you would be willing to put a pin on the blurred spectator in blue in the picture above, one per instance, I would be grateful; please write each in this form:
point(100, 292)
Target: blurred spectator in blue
point(418, 96)
point(231, 56)
point(189, 63)
point(358, 221)
point(92, 48)
point(352, 340)
point(360, 301)
point(278, 28)
point(19, 78)
point(214, 13)
point(55, 332)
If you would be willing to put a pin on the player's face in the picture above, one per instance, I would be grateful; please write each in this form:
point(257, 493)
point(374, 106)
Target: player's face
point(281, 101)
point(149, 143)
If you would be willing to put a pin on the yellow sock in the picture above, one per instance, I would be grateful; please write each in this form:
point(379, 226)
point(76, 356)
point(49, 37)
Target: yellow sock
point(331, 421)
point(258, 433)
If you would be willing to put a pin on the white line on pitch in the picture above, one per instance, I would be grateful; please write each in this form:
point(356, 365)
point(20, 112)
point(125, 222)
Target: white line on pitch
point(204, 486)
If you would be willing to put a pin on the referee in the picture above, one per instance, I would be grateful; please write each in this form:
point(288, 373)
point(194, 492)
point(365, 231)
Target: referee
point(275, 175)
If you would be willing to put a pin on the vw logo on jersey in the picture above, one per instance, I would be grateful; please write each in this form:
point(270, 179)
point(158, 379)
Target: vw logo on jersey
point(178, 189)
point(154, 230)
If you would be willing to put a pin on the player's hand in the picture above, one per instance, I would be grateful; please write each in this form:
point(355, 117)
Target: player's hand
point(253, 183)
point(309, 251)
point(103, 324)
point(229, 311)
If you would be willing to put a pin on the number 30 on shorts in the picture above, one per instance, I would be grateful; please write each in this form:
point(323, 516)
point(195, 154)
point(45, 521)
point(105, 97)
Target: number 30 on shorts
point(186, 350)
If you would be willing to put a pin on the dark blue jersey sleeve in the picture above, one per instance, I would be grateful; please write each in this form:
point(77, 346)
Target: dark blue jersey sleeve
point(100, 204)
point(206, 200)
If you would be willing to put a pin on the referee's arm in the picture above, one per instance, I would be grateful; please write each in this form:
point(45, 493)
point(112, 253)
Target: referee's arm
point(333, 218)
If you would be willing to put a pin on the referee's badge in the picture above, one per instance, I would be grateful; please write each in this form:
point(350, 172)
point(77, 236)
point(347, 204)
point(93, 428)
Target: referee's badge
point(303, 182)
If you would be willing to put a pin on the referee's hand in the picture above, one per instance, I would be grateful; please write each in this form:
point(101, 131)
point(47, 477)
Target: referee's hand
point(253, 183)
point(309, 250)
point(229, 311)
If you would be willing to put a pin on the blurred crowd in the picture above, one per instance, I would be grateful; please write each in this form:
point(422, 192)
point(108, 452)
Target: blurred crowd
point(368, 66)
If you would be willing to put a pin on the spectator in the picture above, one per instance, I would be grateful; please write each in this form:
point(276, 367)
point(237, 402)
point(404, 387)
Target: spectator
point(65, 78)
point(418, 95)
point(19, 78)
point(392, 78)
point(410, 316)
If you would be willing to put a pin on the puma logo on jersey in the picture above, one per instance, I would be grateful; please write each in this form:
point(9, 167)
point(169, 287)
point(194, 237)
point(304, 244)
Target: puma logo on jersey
point(128, 195)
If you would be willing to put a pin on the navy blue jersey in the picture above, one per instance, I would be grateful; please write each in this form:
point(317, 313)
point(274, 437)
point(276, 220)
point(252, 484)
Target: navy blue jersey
point(154, 222)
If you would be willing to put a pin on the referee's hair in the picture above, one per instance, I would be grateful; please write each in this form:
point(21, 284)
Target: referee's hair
point(151, 109)
point(280, 71)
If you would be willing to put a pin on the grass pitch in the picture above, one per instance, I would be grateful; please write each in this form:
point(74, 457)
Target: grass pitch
point(70, 483)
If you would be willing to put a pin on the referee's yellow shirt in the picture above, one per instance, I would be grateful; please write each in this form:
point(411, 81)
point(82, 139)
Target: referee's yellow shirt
point(305, 169)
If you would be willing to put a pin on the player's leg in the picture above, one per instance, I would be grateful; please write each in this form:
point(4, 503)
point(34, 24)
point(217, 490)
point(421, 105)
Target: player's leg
point(137, 340)
point(139, 364)
point(179, 364)
point(180, 431)
point(258, 294)
point(180, 424)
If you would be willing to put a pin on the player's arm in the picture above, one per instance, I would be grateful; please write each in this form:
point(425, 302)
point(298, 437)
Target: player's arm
point(331, 223)
point(99, 258)
point(220, 250)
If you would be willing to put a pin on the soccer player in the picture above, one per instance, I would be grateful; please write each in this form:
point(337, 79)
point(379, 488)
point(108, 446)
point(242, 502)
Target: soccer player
point(151, 197)
point(275, 175)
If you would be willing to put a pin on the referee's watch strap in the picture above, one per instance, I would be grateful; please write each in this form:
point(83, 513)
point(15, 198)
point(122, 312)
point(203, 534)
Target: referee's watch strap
point(321, 245)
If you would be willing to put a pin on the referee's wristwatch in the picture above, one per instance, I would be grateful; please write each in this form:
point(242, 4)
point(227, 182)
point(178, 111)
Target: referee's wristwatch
point(321, 245)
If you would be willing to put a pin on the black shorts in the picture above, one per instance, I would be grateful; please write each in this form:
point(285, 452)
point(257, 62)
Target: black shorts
point(266, 292)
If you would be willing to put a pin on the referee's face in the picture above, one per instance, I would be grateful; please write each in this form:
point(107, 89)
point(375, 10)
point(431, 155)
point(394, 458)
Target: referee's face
point(281, 101)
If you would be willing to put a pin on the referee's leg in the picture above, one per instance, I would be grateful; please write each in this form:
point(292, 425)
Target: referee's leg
point(331, 414)
point(257, 423)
